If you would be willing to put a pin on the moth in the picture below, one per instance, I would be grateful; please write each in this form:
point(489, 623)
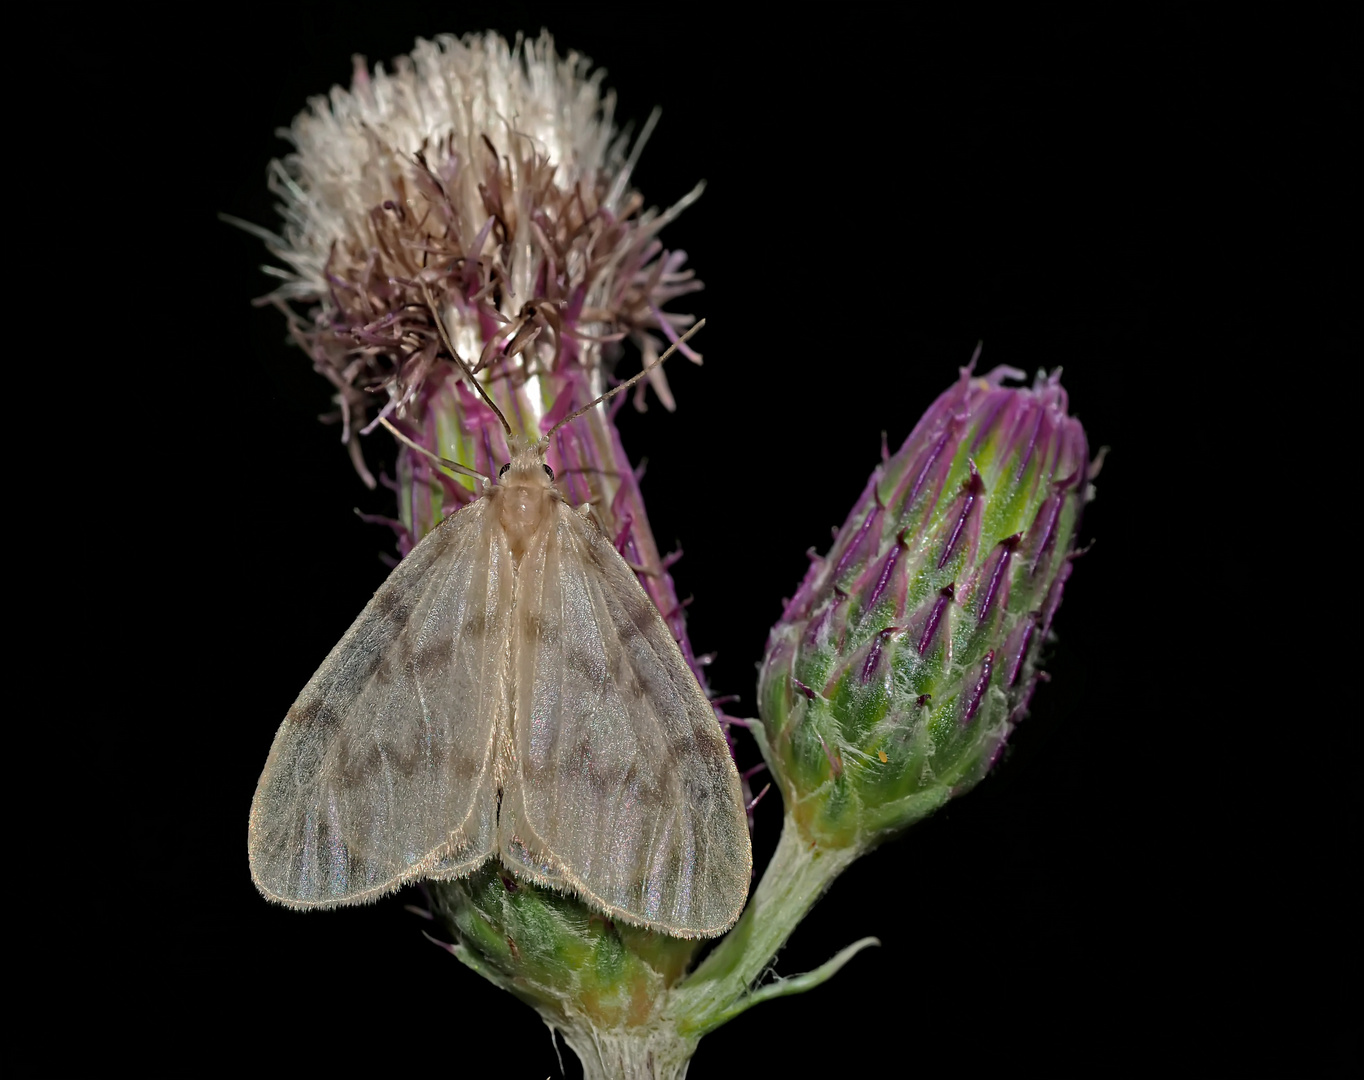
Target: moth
point(510, 692)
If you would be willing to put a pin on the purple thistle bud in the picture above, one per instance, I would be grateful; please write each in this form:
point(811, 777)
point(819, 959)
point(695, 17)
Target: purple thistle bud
point(910, 651)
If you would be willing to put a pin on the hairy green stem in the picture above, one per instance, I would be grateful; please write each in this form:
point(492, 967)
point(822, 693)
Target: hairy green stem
point(654, 1053)
point(723, 985)
point(719, 989)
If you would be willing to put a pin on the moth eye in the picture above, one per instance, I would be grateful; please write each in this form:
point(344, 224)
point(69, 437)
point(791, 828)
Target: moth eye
point(549, 472)
point(503, 471)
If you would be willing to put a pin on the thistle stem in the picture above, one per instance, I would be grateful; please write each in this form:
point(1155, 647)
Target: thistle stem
point(655, 1053)
point(719, 989)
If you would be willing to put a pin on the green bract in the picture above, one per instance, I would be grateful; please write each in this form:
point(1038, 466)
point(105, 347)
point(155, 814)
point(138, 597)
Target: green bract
point(581, 971)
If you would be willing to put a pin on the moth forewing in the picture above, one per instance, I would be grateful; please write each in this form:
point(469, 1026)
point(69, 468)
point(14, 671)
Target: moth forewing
point(381, 772)
point(623, 788)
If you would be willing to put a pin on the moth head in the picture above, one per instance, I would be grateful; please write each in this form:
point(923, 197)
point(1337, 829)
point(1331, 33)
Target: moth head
point(525, 493)
point(527, 467)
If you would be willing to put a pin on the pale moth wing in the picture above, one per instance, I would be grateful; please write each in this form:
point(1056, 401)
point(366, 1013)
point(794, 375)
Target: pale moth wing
point(622, 786)
point(382, 771)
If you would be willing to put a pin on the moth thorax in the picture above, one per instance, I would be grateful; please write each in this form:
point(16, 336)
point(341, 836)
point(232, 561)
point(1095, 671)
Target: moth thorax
point(523, 507)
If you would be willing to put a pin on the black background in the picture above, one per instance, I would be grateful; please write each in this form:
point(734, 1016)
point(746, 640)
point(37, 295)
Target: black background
point(1133, 199)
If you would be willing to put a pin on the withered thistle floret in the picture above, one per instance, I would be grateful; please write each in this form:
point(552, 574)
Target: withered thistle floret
point(485, 183)
point(492, 178)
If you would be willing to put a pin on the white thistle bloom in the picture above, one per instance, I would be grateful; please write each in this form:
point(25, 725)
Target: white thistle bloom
point(490, 177)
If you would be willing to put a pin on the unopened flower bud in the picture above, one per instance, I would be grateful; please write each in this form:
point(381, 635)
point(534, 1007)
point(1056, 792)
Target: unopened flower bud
point(910, 651)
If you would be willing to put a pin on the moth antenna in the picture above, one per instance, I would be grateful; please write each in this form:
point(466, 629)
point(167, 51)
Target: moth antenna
point(628, 382)
point(468, 375)
point(434, 457)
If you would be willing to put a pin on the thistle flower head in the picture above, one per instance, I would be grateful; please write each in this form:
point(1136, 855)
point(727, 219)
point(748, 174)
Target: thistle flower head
point(472, 211)
point(910, 651)
point(484, 183)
